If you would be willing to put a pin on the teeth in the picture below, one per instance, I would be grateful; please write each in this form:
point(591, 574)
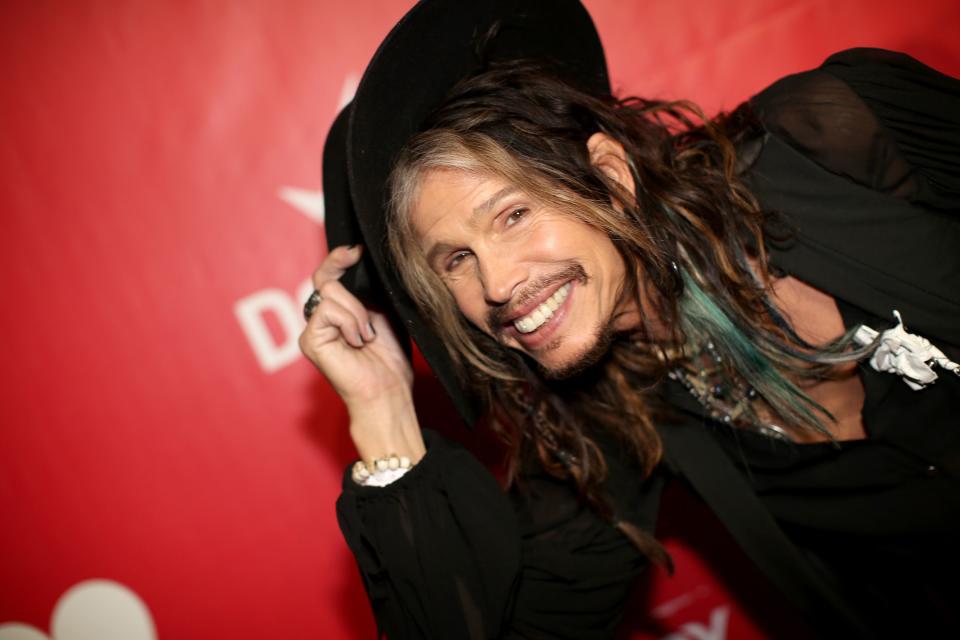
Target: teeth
point(533, 320)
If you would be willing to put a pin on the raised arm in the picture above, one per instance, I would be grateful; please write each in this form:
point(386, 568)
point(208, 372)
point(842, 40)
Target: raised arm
point(443, 551)
point(359, 354)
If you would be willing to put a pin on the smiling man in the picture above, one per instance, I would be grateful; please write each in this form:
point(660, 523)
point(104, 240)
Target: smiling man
point(530, 276)
point(630, 293)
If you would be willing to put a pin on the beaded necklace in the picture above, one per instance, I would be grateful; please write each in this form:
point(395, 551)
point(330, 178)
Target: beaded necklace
point(726, 397)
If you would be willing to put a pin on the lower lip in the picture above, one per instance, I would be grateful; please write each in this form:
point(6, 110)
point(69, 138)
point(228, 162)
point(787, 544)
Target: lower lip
point(544, 332)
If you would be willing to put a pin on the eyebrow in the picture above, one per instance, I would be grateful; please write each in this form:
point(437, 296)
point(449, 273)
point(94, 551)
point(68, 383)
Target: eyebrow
point(436, 251)
point(492, 201)
point(484, 207)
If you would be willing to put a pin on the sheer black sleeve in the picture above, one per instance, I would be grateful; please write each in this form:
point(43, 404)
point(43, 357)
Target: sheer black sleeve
point(859, 165)
point(444, 552)
point(438, 550)
point(880, 118)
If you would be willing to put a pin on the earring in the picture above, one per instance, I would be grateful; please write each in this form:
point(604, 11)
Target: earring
point(677, 278)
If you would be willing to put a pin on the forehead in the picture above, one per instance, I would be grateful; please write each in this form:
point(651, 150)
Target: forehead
point(451, 200)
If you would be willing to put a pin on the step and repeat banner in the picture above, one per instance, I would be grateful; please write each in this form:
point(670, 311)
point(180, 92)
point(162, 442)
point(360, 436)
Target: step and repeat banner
point(168, 462)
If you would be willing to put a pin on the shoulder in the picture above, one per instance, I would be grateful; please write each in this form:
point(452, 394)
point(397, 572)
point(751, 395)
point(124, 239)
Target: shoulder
point(863, 72)
point(870, 115)
point(860, 81)
point(863, 64)
point(820, 114)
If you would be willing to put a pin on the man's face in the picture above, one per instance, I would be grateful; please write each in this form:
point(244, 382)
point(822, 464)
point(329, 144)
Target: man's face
point(536, 280)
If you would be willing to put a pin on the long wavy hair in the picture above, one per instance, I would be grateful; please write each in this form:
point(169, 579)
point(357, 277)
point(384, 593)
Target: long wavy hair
point(692, 239)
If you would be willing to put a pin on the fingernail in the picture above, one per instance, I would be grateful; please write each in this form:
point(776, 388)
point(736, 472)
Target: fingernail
point(373, 331)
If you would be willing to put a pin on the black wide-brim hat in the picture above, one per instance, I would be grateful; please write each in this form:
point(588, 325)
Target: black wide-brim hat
point(434, 46)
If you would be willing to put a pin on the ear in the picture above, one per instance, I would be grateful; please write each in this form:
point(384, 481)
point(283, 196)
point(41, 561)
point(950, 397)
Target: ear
point(608, 155)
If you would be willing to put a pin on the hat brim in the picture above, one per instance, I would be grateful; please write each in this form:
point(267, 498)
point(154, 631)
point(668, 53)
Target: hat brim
point(434, 46)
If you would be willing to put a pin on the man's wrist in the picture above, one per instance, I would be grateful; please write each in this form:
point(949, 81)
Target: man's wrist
point(386, 428)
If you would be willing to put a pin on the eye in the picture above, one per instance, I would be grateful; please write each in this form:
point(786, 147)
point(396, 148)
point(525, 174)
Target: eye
point(514, 216)
point(456, 260)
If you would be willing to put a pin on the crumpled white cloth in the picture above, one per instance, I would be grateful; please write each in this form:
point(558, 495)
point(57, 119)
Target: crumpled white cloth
point(383, 478)
point(907, 354)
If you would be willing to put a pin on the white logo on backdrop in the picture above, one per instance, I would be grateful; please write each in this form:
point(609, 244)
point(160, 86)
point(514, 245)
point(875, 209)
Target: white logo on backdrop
point(680, 602)
point(276, 351)
point(273, 352)
point(91, 610)
point(715, 629)
point(347, 89)
point(306, 201)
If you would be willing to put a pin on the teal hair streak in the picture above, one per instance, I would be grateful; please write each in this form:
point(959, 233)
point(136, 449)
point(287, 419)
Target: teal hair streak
point(703, 320)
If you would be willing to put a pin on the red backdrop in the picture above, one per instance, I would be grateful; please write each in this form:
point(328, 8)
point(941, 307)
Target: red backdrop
point(168, 463)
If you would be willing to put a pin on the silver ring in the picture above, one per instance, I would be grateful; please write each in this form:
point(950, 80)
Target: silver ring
point(310, 306)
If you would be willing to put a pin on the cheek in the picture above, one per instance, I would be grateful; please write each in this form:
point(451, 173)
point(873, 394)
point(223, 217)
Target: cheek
point(548, 237)
point(562, 237)
point(470, 303)
point(615, 265)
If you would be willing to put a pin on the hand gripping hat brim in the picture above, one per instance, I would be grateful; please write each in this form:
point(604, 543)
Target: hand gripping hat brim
point(435, 45)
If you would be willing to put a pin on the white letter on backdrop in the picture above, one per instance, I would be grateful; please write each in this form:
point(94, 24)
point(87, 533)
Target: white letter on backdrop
point(250, 312)
point(717, 629)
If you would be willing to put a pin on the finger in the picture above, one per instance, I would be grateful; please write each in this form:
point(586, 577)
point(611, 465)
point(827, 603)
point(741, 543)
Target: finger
point(330, 314)
point(337, 261)
point(335, 291)
point(386, 335)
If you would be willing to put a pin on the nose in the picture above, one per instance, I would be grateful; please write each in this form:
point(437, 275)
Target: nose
point(501, 275)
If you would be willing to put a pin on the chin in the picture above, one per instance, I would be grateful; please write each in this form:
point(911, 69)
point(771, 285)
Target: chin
point(563, 366)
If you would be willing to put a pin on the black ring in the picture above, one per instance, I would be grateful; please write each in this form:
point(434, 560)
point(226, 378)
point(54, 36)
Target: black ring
point(311, 305)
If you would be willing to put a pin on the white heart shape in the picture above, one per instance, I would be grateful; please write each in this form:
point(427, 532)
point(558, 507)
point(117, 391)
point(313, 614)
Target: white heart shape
point(92, 610)
point(18, 631)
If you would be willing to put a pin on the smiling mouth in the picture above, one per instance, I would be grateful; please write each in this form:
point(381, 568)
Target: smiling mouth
point(536, 318)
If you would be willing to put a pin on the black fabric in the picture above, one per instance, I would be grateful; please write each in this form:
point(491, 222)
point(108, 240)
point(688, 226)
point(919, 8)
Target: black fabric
point(861, 159)
point(445, 553)
point(693, 453)
point(861, 536)
point(871, 223)
point(439, 550)
point(880, 118)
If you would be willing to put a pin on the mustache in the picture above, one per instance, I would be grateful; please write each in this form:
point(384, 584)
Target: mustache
point(497, 316)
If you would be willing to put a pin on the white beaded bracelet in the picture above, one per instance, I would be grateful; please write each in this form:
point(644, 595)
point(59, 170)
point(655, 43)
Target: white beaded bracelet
point(380, 472)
